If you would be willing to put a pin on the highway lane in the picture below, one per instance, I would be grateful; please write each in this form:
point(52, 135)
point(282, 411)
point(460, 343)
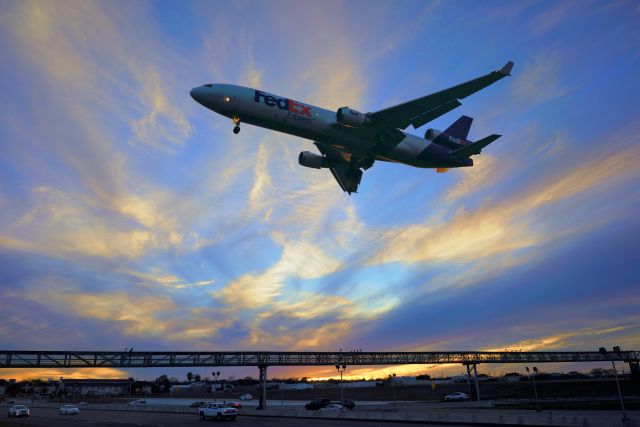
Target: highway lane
point(49, 417)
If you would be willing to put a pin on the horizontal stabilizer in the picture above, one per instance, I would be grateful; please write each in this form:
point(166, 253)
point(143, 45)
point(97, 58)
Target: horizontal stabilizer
point(475, 148)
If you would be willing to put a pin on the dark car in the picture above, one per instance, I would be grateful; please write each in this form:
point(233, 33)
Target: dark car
point(346, 403)
point(196, 404)
point(316, 404)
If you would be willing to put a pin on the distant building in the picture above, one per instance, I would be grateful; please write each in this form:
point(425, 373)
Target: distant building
point(295, 386)
point(94, 388)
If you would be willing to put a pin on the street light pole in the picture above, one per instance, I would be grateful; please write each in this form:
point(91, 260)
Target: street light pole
point(616, 349)
point(216, 375)
point(341, 369)
point(535, 389)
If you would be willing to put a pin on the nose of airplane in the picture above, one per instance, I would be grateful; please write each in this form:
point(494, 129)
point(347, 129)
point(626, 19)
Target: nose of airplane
point(196, 94)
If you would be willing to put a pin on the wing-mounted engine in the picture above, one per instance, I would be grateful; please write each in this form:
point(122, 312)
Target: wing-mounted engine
point(352, 118)
point(312, 160)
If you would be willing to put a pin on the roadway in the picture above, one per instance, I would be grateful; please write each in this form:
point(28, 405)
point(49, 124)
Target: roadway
point(46, 417)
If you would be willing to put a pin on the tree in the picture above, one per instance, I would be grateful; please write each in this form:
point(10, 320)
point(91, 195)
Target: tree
point(12, 389)
point(189, 376)
point(197, 378)
point(163, 383)
point(423, 377)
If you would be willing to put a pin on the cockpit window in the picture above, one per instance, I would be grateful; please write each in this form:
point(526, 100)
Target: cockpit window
point(209, 85)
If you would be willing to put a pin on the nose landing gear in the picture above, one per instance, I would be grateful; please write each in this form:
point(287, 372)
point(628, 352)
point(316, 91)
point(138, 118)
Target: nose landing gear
point(236, 121)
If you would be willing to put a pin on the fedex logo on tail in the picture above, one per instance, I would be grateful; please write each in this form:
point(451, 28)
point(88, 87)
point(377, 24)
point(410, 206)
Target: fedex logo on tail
point(282, 103)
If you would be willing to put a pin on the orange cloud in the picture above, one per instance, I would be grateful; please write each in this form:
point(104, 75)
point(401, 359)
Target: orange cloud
point(55, 374)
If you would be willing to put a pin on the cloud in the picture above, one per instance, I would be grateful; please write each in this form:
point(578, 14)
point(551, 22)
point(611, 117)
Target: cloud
point(133, 313)
point(538, 80)
point(550, 18)
point(82, 373)
point(163, 122)
point(60, 224)
point(167, 280)
point(298, 260)
point(486, 171)
point(505, 228)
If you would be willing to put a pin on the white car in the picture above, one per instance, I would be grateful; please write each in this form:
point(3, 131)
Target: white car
point(218, 411)
point(245, 396)
point(457, 396)
point(138, 403)
point(69, 410)
point(18, 411)
point(331, 408)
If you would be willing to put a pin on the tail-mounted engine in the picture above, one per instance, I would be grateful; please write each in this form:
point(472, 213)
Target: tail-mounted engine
point(445, 139)
point(352, 118)
point(431, 134)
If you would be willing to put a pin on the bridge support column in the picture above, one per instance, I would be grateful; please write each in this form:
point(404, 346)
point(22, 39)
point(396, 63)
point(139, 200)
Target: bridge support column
point(475, 378)
point(263, 387)
point(634, 368)
point(473, 391)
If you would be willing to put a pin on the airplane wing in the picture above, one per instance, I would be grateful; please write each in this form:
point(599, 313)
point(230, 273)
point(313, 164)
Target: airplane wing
point(422, 110)
point(347, 176)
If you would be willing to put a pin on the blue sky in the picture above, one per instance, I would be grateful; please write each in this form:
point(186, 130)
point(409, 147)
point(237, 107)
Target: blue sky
point(130, 215)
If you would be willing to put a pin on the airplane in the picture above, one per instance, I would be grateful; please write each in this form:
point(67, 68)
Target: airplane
point(350, 142)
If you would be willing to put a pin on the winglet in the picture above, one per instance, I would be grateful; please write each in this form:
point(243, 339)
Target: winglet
point(506, 70)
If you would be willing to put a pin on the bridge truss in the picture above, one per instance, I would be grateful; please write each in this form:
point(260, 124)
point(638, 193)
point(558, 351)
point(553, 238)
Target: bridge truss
point(161, 359)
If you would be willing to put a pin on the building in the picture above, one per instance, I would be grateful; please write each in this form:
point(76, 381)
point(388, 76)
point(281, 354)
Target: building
point(94, 388)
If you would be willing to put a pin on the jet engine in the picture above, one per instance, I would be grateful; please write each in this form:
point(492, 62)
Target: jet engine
point(431, 134)
point(312, 160)
point(352, 118)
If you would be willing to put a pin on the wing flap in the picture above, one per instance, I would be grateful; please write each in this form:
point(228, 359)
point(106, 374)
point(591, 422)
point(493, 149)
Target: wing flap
point(425, 118)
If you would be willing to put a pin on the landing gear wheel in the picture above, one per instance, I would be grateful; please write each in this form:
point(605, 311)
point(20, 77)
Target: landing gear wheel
point(236, 130)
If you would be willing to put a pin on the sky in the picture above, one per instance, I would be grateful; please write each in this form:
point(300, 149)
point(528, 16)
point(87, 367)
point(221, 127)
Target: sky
point(132, 216)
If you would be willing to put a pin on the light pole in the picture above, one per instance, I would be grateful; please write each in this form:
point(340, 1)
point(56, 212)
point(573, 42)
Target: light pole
point(535, 389)
point(393, 385)
point(616, 349)
point(216, 375)
point(341, 369)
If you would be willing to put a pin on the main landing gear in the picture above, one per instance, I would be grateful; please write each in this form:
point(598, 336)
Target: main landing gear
point(236, 121)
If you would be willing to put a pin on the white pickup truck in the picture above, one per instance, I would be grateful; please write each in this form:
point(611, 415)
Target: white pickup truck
point(218, 411)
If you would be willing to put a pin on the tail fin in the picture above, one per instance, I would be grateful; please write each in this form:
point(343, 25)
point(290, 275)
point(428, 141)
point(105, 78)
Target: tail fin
point(460, 128)
point(474, 148)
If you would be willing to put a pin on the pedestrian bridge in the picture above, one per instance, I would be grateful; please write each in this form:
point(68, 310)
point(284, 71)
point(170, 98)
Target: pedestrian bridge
point(157, 359)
